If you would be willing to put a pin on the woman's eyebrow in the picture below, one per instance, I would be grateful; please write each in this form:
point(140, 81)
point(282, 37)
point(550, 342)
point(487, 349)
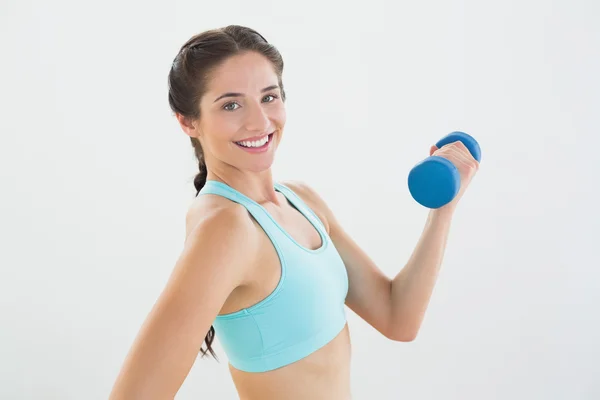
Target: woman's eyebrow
point(232, 94)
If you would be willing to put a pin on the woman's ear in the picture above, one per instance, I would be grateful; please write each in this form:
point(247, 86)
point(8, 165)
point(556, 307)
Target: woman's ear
point(187, 125)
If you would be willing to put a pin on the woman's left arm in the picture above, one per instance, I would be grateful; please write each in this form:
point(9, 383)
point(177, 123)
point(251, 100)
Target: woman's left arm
point(412, 287)
point(396, 307)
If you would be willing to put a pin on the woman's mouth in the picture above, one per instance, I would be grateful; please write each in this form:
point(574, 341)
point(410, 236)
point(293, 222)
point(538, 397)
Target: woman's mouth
point(256, 146)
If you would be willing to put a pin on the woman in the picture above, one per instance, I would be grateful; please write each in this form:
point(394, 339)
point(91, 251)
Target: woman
point(267, 263)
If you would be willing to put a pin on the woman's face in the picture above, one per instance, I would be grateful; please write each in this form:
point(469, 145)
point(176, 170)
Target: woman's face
point(242, 114)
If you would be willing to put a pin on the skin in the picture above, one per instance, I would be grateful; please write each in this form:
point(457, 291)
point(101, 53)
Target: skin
point(228, 262)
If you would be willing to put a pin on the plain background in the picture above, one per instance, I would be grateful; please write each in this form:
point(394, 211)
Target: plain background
point(96, 177)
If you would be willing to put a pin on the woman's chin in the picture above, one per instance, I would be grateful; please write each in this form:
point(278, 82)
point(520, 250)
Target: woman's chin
point(261, 166)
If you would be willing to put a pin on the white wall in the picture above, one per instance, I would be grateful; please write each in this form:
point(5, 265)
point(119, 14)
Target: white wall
point(96, 176)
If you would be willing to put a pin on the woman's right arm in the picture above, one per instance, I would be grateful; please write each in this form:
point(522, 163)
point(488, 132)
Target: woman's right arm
point(211, 265)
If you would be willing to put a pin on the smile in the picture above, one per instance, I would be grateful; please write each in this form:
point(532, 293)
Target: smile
point(256, 145)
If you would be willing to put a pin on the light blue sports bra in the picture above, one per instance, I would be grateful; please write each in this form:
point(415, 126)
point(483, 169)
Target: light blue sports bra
point(306, 309)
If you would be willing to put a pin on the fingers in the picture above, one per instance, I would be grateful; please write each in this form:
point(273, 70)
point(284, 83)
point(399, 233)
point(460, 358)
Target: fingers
point(467, 153)
point(460, 152)
point(459, 157)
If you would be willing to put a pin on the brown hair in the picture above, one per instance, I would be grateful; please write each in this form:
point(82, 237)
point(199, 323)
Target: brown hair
point(189, 75)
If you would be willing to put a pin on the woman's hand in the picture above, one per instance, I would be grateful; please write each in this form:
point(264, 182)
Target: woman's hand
point(458, 154)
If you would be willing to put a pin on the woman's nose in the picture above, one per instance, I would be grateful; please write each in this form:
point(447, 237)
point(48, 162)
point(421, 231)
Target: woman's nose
point(257, 119)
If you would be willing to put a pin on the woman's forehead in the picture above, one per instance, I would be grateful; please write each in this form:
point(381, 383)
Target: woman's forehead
point(245, 72)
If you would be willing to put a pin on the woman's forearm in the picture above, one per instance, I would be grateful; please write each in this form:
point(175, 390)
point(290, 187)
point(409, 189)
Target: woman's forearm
point(412, 287)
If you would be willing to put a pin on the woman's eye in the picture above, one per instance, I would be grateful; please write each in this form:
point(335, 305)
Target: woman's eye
point(233, 106)
point(230, 106)
point(273, 97)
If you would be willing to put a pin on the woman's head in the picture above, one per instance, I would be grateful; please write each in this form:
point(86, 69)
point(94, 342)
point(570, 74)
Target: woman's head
point(225, 87)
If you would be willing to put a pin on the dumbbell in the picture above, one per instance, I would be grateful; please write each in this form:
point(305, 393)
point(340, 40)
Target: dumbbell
point(435, 181)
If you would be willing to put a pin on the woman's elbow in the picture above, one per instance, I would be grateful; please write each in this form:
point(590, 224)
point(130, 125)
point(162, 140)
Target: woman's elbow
point(403, 335)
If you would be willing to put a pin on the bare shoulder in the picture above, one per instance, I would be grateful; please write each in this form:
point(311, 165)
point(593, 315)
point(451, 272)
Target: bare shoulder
point(215, 221)
point(211, 207)
point(313, 199)
point(223, 235)
point(218, 250)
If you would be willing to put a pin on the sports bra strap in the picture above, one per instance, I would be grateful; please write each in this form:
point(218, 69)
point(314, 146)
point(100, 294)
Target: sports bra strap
point(258, 212)
point(301, 206)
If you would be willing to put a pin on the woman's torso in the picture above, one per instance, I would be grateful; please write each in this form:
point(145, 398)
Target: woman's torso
point(324, 373)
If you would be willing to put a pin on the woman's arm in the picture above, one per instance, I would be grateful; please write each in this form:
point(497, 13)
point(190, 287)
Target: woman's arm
point(395, 307)
point(210, 267)
point(413, 286)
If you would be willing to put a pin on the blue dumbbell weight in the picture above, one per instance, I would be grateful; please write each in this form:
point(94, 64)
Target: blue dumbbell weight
point(435, 181)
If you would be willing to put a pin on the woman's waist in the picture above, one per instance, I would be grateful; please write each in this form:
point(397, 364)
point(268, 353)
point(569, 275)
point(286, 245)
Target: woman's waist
point(324, 374)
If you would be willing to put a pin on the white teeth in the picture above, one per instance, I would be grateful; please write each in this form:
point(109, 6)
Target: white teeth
point(255, 143)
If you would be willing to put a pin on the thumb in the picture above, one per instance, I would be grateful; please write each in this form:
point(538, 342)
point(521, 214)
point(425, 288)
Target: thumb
point(432, 150)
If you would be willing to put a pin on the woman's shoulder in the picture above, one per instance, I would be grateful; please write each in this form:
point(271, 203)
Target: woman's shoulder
point(217, 216)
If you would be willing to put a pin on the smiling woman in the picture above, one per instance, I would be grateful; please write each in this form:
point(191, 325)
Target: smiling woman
point(240, 104)
point(266, 265)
